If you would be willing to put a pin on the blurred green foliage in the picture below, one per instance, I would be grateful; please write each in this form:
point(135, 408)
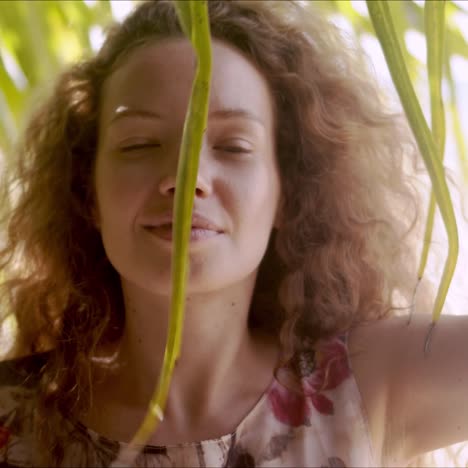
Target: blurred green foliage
point(39, 37)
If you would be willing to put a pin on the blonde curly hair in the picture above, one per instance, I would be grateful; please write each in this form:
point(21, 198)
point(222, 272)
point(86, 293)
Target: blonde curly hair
point(343, 252)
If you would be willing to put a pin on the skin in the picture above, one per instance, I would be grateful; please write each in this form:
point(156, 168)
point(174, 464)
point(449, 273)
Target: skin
point(414, 403)
point(222, 363)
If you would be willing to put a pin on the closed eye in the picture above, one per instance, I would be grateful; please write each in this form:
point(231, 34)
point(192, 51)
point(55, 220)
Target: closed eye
point(140, 146)
point(235, 149)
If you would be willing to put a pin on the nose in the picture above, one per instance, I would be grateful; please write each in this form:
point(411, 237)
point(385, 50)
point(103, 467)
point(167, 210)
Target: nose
point(203, 187)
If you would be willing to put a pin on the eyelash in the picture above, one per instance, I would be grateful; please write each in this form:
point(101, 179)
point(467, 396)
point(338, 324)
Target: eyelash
point(237, 149)
point(140, 146)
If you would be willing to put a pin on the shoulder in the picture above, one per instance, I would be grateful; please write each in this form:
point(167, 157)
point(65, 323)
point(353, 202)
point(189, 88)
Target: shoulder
point(424, 390)
point(373, 350)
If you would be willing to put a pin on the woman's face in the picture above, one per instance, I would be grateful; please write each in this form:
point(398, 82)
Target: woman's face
point(140, 129)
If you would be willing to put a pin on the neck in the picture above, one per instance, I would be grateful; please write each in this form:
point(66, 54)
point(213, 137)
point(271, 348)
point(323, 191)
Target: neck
point(218, 349)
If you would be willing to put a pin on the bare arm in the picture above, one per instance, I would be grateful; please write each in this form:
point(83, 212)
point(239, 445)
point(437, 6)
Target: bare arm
point(416, 403)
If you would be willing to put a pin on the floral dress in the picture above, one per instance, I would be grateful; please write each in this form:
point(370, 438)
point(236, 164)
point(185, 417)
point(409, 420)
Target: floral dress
point(325, 426)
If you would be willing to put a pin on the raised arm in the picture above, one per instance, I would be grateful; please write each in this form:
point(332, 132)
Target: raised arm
point(415, 403)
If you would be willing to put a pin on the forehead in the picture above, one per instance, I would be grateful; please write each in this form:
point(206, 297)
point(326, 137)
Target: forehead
point(158, 77)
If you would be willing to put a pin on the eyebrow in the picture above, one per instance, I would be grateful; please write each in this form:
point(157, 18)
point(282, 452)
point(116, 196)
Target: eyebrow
point(230, 113)
point(226, 113)
point(124, 111)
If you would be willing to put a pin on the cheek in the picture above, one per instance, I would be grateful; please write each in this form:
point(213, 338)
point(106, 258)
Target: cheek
point(120, 190)
point(257, 195)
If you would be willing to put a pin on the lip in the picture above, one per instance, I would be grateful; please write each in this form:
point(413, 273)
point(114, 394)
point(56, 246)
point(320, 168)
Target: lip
point(199, 222)
point(196, 234)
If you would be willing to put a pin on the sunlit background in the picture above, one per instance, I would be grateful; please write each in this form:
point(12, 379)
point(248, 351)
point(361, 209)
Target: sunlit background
point(39, 38)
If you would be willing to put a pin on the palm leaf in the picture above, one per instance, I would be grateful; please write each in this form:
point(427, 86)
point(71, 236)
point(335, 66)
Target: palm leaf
point(434, 19)
point(385, 31)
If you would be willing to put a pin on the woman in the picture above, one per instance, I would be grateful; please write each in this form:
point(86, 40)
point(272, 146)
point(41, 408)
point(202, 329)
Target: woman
point(294, 244)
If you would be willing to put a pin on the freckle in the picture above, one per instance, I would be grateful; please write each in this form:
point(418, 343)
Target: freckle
point(233, 303)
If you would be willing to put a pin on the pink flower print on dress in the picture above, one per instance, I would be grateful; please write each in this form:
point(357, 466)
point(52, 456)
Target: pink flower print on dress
point(289, 407)
point(331, 369)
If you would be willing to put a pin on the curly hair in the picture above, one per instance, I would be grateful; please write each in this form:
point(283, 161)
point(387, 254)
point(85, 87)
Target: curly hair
point(341, 256)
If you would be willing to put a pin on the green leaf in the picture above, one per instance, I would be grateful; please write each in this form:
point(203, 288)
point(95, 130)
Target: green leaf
point(402, 24)
point(434, 19)
point(26, 25)
point(184, 12)
point(13, 96)
point(385, 31)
